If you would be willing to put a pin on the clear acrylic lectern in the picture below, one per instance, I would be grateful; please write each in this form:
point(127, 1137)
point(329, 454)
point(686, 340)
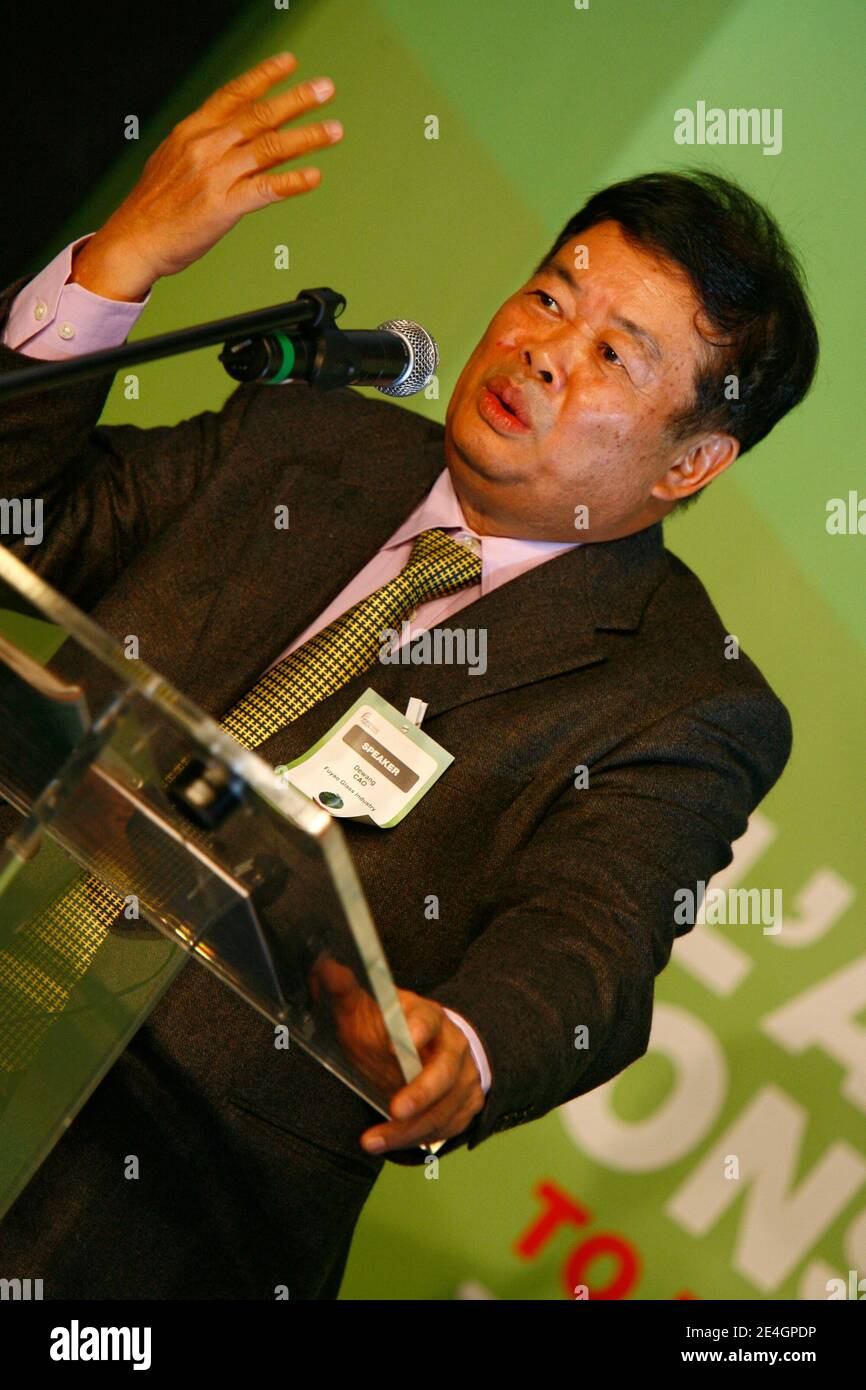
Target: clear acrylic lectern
point(146, 835)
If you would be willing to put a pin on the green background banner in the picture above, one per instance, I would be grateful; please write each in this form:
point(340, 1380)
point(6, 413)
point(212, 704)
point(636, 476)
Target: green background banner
point(730, 1161)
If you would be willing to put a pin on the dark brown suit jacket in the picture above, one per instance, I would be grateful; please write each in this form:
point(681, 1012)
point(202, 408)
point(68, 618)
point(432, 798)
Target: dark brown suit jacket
point(555, 904)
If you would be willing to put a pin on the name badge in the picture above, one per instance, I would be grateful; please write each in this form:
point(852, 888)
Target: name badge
point(372, 766)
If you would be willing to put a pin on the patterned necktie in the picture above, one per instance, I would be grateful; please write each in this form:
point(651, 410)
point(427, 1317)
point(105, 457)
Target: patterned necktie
point(350, 644)
point(57, 946)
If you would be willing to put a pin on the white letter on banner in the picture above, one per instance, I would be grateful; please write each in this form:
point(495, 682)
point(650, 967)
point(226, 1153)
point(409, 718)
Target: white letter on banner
point(819, 905)
point(707, 952)
point(778, 1227)
point(684, 1117)
point(825, 1015)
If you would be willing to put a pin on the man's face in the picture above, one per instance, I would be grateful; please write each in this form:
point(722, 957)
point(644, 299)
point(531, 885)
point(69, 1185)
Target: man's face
point(595, 395)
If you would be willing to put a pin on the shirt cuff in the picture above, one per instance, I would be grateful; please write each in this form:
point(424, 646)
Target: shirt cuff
point(478, 1054)
point(52, 319)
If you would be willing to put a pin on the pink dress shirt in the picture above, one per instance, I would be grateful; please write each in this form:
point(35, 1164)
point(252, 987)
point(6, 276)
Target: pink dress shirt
point(51, 319)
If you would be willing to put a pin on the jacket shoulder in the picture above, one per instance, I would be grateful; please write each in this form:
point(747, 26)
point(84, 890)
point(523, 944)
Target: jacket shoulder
point(323, 415)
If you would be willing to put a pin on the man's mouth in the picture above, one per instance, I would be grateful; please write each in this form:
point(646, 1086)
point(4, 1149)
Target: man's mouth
point(503, 405)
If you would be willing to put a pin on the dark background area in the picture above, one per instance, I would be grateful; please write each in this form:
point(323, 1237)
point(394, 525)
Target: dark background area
point(72, 73)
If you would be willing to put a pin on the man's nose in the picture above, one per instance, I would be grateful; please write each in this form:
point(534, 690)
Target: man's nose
point(547, 362)
point(556, 358)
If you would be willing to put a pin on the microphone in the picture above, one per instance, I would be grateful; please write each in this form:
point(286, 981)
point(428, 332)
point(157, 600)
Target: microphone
point(398, 358)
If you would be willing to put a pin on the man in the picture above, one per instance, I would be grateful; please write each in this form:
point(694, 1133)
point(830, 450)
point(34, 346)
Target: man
point(608, 754)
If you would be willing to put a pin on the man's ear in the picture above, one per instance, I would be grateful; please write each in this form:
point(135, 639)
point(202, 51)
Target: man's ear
point(696, 467)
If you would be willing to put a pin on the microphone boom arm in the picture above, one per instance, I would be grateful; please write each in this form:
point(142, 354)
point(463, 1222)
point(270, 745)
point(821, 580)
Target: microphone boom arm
point(311, 316)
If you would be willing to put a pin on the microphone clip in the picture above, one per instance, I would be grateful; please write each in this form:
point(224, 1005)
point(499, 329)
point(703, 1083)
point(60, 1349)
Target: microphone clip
point(316, 350)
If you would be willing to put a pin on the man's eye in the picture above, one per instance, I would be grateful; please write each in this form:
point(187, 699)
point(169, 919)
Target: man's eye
point(542, 294)
point(608, 348)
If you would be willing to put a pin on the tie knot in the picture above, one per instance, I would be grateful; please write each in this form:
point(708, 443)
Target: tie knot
point(440, 565)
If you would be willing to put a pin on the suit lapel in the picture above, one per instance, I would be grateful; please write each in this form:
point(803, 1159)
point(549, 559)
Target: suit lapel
point(273, 585)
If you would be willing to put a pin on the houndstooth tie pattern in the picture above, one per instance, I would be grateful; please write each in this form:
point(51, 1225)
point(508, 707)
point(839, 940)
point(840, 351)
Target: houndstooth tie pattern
point(58, 945)
point(438, 565)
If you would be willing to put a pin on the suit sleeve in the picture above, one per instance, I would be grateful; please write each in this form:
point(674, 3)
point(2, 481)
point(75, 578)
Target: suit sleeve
point(106, 490)
point(583, 923)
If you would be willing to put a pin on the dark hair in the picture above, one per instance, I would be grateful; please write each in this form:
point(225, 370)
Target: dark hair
point(748, 281)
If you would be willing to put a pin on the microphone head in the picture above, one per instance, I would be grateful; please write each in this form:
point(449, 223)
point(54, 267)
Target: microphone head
point(423, 357)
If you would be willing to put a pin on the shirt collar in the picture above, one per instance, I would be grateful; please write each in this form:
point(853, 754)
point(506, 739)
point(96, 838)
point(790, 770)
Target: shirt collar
point(502, 557)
